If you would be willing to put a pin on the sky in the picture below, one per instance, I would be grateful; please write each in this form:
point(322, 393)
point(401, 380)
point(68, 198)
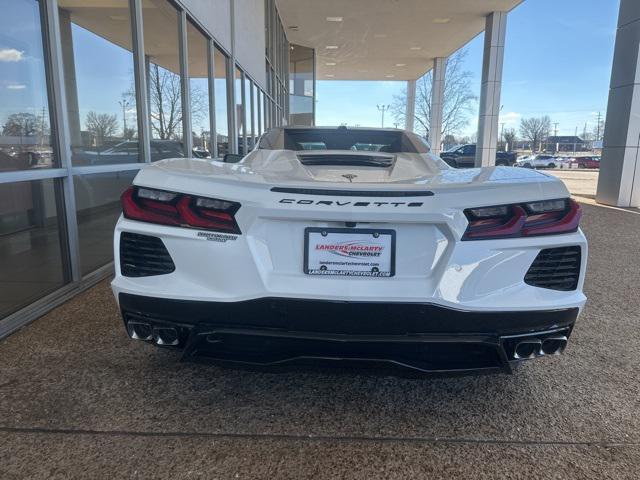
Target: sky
point(558, 56)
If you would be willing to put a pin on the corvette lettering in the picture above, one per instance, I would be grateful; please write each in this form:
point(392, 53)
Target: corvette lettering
point(337, 203)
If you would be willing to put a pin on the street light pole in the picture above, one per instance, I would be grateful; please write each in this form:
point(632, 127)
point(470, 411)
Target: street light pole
point(383, 108)
point(124, 104)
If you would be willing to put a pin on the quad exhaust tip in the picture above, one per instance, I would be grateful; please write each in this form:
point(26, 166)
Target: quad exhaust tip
point(554, 345)
point(534, 347)
point(140, 331)
point(166, 336)
point(529, 348)
point(148, 333)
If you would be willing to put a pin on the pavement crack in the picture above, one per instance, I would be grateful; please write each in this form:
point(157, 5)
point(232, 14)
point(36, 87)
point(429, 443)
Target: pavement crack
point(316, 438)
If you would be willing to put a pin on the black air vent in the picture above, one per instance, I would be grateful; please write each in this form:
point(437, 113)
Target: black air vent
point(555, 268)
point(143, 256)
point(345, 159)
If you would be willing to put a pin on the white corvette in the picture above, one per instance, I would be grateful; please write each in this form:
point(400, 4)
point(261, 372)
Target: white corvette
point(350, 245)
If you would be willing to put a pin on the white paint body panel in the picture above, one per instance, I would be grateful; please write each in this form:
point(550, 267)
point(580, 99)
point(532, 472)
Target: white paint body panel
point(432, 265)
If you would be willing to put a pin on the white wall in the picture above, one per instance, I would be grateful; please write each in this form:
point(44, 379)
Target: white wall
point(215, 17)
point(250, 41)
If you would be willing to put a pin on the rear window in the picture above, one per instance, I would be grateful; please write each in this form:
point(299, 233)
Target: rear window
point(299, 139)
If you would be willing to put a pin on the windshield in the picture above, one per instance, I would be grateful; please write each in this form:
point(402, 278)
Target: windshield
point(357, 140)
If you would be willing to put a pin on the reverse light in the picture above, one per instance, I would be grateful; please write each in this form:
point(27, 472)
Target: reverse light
point(545, 217)
point(179, 210)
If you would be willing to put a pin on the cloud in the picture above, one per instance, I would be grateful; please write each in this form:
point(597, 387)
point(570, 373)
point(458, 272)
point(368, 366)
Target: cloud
point(16, 87)
point(511, 119)
point(11, 55)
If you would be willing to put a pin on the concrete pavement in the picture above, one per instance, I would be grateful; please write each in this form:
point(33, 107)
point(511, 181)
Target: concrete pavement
point(79, 399)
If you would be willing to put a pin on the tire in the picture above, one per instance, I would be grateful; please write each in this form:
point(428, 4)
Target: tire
point(582, 165)
point(551, 165)
point(527, 165)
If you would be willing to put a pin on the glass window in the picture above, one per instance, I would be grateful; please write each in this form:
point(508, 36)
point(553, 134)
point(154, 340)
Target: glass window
point(30, 243)
point(222, 120)
point(99, 82)
point(301, 85)
point(197, 47)
point(163, 78)
point(25, 133)
point(255, 99)
point(248, 114)
point(265, 106)
point(260, 127)
point(240, 118)
point(98, 209)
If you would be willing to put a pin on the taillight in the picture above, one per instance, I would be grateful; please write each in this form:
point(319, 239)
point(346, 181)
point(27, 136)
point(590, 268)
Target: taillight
point(180, 210)
point(523, 219)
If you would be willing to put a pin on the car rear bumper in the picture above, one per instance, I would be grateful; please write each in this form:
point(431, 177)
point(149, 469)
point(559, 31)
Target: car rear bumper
point(271, 332)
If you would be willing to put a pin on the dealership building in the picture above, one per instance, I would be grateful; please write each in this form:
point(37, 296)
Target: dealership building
point(91, 90)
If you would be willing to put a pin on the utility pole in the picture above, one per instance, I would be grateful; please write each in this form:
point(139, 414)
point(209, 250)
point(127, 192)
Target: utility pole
point(555, 129)
point(124, 104)
point(598, 129)
point(383, 108)
point(504, 147)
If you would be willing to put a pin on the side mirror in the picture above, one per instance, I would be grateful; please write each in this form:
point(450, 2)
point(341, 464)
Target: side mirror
point(232, 158)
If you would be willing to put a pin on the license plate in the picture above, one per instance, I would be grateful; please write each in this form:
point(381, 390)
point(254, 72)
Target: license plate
point(349, 251)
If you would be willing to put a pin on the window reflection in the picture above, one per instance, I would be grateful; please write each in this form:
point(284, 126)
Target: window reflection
point(248, 113)
point(25, 132)
point(161, 46)
point(240, 113)
point(30, 243)
point(199, 91)
point(301, 85)
point(99, 82)
point(222, 121)
point(98, 209)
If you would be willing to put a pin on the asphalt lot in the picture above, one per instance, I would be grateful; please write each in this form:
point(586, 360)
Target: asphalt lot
point(79, 399)
point(580, 182)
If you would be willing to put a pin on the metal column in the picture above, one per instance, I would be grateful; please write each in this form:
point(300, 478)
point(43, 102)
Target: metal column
point(494, 35)
point(410, 111)
point(619, 178)
point(437, 104)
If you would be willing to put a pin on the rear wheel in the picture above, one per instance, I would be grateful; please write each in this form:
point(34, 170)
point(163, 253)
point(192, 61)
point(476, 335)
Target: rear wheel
point(552, 165)
point(527, 165)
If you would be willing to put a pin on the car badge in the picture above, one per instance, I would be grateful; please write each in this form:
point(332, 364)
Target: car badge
point(350, 177)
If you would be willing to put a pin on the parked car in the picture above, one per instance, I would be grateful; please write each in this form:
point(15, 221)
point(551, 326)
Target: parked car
point(539, 161)
point(464, 156)
point(586, 162)
point(386, 257)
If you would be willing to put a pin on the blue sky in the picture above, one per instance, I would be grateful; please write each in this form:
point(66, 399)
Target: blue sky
point(558, 57)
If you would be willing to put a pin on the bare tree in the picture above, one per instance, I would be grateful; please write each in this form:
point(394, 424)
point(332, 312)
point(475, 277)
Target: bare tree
point(510, 138)
point(101, 126)
point(165, 96)
point(23, 124)
point(534, 130)
point(459, 99)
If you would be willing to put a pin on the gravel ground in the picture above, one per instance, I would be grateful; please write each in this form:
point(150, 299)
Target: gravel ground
point(78, 399)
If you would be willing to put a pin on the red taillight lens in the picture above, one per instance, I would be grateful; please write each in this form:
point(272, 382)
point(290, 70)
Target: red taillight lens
point(180, 210)
point(523, 220)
